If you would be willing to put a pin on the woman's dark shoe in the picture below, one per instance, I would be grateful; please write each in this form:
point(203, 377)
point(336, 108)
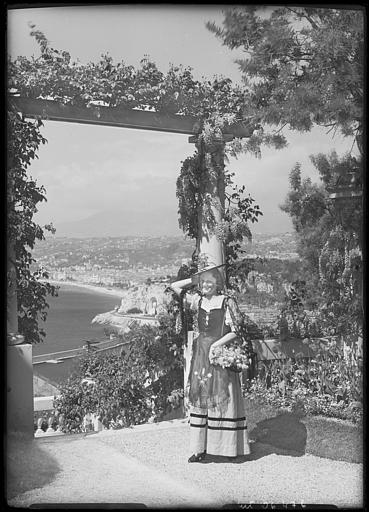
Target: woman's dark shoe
point(197, 457)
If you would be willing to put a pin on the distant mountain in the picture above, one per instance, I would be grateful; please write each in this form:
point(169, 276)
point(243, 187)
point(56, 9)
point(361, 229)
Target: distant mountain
point(143, 222)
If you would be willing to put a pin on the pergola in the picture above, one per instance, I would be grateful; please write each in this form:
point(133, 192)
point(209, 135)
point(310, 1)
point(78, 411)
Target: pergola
point(19, 367)
point(136, 119)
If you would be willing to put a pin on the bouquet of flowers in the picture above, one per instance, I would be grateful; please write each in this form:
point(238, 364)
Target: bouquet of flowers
point(234, 357)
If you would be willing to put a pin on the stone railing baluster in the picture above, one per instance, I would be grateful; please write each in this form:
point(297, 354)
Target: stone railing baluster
point(50, 422)
point(39, 432)
point(61, 422)
point(55, 423)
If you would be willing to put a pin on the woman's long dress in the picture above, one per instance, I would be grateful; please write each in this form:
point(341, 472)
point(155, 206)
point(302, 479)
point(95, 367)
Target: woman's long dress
point(217, 415)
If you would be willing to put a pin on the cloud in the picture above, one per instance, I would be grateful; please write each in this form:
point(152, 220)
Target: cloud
point(85, 168)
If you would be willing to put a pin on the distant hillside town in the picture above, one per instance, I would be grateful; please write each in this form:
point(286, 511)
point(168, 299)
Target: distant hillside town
point(124, 262)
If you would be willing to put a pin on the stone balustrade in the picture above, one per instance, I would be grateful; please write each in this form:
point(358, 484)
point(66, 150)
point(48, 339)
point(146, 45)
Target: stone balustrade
point(54, 426)
point(50, 423)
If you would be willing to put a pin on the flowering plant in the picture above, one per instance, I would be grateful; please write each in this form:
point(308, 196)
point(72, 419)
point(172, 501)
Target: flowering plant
point(233, 357)
point(328, 384)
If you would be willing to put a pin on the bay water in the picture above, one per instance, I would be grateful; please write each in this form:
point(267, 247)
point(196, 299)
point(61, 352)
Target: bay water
point(68, 325)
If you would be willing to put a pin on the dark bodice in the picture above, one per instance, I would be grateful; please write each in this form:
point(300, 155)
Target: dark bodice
point(212, 323)
point(208, 384)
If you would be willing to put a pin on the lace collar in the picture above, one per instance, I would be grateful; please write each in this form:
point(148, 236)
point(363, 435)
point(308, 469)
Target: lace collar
point(215, 302)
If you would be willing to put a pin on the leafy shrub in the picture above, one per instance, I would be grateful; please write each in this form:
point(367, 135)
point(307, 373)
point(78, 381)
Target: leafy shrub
point(129, 388)
point(116, 394)
point(328, 384)
point(159, 351)
point(175, 398)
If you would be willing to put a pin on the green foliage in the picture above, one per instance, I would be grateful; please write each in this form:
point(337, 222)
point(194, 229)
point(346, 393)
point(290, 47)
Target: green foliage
point(328, 384)
point(216, 103)
point(189, 197)
point(247, 272)
point(144, 382)
point(294, 320)
point(343, 174)
point(239, 211)
point(118, 395)
point(329, 241)
point(159, 352)
point(54, 75)
point(302, 65)
point(23, 197)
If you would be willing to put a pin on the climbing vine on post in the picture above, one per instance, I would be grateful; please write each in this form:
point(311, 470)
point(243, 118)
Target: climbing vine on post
point(23, 197)
point(197, 206)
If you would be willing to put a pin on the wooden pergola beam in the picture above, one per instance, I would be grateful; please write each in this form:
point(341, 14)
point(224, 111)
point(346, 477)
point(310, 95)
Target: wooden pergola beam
point(115, 116)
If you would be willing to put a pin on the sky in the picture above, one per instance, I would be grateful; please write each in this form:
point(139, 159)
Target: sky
point(88, 169)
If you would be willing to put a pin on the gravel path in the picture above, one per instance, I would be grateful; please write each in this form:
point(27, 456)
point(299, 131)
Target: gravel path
point(94, 473)
point(148, 464)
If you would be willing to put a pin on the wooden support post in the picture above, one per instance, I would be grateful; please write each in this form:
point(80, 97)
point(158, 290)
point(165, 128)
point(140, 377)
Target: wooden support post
point(212, 165)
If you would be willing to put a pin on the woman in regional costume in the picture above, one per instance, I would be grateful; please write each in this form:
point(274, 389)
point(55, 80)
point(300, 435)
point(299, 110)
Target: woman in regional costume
point(217, 414)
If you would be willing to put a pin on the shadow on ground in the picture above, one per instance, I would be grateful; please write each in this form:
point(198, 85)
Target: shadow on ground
point(283, 434)
point(28, 465)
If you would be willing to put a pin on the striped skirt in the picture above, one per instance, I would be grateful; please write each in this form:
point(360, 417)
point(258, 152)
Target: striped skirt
point(221, 433)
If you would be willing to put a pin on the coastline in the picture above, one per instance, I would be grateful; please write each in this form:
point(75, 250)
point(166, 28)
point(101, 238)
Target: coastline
point(116, 292)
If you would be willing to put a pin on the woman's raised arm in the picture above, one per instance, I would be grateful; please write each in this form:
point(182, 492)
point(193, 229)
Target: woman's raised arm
point(178, 286)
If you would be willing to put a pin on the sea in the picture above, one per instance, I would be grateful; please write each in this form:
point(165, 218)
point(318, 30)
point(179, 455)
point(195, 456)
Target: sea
point(68, 325)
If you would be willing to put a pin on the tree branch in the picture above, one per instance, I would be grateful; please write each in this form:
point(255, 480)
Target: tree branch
point(281, 128)
point(304, 15)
